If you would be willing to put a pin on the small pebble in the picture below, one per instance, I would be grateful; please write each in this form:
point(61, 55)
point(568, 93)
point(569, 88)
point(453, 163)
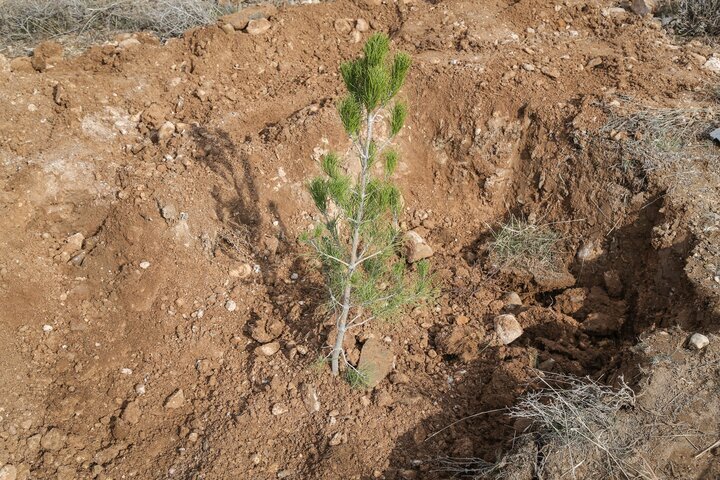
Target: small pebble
point(698, 341)
point(230, 306)
point(47, 328)
point(140, 389)
point(144, 264)
point(126, 371)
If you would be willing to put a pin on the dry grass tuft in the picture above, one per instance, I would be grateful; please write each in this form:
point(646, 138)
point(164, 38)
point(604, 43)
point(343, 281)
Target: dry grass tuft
point(660, 138)
point(524, 244)
point(576, 428)
point(693, 17)
point(31, 21)
point(575, 431)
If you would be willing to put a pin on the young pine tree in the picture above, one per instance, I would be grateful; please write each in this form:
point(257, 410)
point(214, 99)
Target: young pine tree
point(358, 240)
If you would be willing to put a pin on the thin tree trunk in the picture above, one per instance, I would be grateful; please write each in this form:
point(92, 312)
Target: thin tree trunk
point(341, 322)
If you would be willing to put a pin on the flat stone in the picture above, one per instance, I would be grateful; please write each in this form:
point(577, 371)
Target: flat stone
point(269, 349)
point(259, 26)
point(376, 361)
point(507, 328)
point(175, 400)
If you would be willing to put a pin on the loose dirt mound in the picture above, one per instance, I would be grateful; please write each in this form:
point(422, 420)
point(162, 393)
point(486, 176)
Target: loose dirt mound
point(153, 195)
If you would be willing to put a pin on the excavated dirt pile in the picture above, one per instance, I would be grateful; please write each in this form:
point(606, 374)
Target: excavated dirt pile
point(159, 317)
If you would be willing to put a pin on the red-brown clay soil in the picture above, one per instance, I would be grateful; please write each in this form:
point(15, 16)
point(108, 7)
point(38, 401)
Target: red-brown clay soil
point(102, 330)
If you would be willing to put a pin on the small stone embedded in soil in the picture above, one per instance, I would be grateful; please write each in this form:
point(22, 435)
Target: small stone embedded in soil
point(175, 400)
point(698, 341)
point(8, 472)
point(310, 398)
point(376, 361)
point(343, 26)
point(131, 413)
point(166, 131)
point(53, 440)
point(258, 26)
point(511, 298)
point(507, 328)
point(361, 25)
point(139, 389)
point(242, 271)
point(336, 440)
point(269, 349)
point(169, 212)
point(279, 409)
point(230, 306)
point(144, 264)
point(415, 247)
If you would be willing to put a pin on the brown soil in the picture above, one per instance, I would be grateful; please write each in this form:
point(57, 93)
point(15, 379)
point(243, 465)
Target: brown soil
point(507, 98)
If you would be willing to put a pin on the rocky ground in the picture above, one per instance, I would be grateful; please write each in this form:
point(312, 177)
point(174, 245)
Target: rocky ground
point(159, 317)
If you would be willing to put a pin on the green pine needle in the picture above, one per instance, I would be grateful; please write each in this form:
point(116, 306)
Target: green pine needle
point(351, 115)
point(397, 119)
point(391, 162)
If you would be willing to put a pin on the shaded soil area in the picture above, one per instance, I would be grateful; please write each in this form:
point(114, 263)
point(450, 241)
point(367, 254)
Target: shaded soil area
point(152, 198)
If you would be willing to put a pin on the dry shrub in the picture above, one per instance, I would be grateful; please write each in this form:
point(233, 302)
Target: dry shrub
point(525, 244)
point(659, 138)
point(576, 430)
point(31, 21)
point(694, 17)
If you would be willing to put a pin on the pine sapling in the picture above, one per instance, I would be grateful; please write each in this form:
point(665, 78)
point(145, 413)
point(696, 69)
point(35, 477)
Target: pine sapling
point(358, 241)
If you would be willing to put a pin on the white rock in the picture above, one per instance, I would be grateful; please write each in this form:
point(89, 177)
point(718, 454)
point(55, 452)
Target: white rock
point(230, 306)
point(8, 472)
point(713, 64)
point(698, 341)
point(144, 264)
point(140, 389)
point(268, 349)
point(279, 409)
point(126, 371)
point(507, 328)
point(47, 328)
